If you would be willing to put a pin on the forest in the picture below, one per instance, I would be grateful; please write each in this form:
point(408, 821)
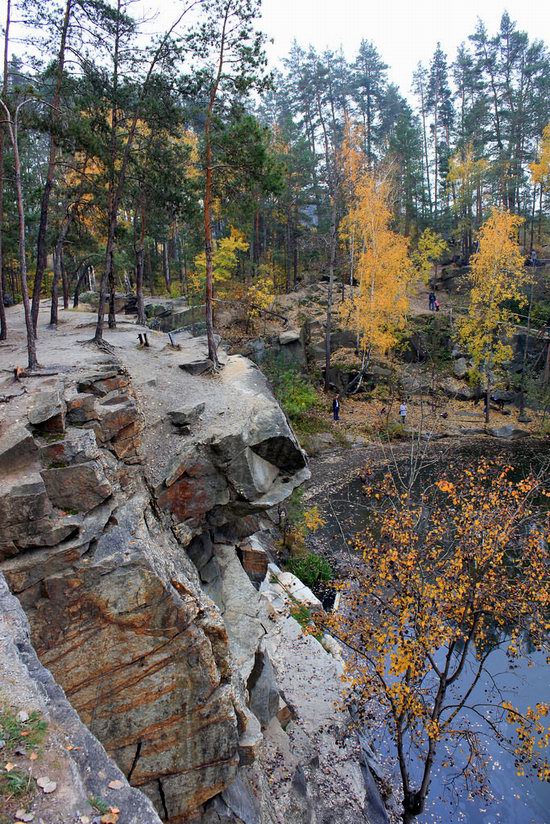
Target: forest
point(180, 164)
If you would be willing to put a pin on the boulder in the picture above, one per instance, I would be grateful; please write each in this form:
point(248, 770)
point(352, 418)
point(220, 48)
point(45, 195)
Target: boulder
point(27, 516)
point(82, 408)
point(509, 432)
point(285, 588)
point(187, 415)
point(242, 803)
point(251, 474)
point(453, 388)
point(17, 450)
point(289, 336)
point(79, 488)
point(240, 606)
point(115, 415)
point(460, 367)
point(47, 412)
point(255, 350)
point(78, 446)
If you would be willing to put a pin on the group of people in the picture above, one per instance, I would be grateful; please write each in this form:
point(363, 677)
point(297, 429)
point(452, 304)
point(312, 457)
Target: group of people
point(433, 302)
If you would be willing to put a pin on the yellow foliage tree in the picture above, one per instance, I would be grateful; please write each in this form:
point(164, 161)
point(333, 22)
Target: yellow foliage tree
point(450, 576)
point(498, 275)
point(378, 308)
point(431, 246)
point(224, 262)
point(540, 169)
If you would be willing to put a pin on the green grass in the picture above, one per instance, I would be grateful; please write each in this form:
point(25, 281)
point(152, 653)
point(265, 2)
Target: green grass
point(17, 784)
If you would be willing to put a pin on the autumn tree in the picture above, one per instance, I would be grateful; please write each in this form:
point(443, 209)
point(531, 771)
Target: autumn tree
point(431, 246)
point(497, 275)
point(379, 305)
point(540, 176)
point(449, 576)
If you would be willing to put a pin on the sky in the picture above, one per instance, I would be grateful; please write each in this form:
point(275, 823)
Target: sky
point(404, 31)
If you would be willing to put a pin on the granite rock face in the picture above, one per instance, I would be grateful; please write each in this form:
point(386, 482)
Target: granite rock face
point(72, 755)
point(154, 646)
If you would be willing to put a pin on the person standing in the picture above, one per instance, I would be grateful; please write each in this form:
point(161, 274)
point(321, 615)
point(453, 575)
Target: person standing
point(336, 407)
point(431, 300)
point(403, 412)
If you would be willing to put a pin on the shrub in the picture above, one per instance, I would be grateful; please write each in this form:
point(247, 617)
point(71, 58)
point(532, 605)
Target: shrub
point(295, 394)
point(392, 431)
point(310, 569)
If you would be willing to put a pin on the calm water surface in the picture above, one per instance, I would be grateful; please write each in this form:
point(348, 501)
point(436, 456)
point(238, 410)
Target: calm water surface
point(516, 800)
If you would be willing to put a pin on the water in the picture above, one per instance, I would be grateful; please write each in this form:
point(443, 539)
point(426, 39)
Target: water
point(515, 800)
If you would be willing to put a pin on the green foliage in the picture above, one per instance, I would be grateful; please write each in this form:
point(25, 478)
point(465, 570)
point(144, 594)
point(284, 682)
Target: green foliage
point(295, 394)
point(98, 804)
point(310, 569)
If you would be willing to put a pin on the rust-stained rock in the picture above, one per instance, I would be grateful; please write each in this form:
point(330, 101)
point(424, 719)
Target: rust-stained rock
point(79, 487)
point(192, 488)
point(78, 446)
point(142, 656)
point(82, 408)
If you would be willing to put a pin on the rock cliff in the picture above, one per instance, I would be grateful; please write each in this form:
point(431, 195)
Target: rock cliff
point(129, 492)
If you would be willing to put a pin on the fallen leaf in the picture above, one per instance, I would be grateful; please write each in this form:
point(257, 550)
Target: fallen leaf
point(46, 784)
point(84, 819)
point(109, 818)
point(116, 785)
point(22, 716)
point(33, 756)
point(9, 766)
point(114, 810)
point(24, 734)
point(23, 815)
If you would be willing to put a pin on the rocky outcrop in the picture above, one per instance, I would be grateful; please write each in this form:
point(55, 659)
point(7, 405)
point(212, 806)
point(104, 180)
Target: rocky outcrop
point(132, 576)
point(73, 758)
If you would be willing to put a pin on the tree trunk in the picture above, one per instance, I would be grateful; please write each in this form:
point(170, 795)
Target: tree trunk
point(140, 268)
point(212, 352)
point(3, 325)
point(31, 338)
point(65, 282)
point(55, 282)
point(208, 246)
point(166, 265)
point(332, 260)
point(42, 238)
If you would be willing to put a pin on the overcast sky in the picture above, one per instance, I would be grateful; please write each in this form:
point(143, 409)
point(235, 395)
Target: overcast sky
point(404, 31)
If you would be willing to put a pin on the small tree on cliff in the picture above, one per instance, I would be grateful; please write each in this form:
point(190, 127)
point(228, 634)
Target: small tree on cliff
point(498, 275)
point(446, 582)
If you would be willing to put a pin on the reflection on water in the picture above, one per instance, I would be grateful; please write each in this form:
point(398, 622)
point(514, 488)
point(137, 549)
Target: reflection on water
point(515, 800)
